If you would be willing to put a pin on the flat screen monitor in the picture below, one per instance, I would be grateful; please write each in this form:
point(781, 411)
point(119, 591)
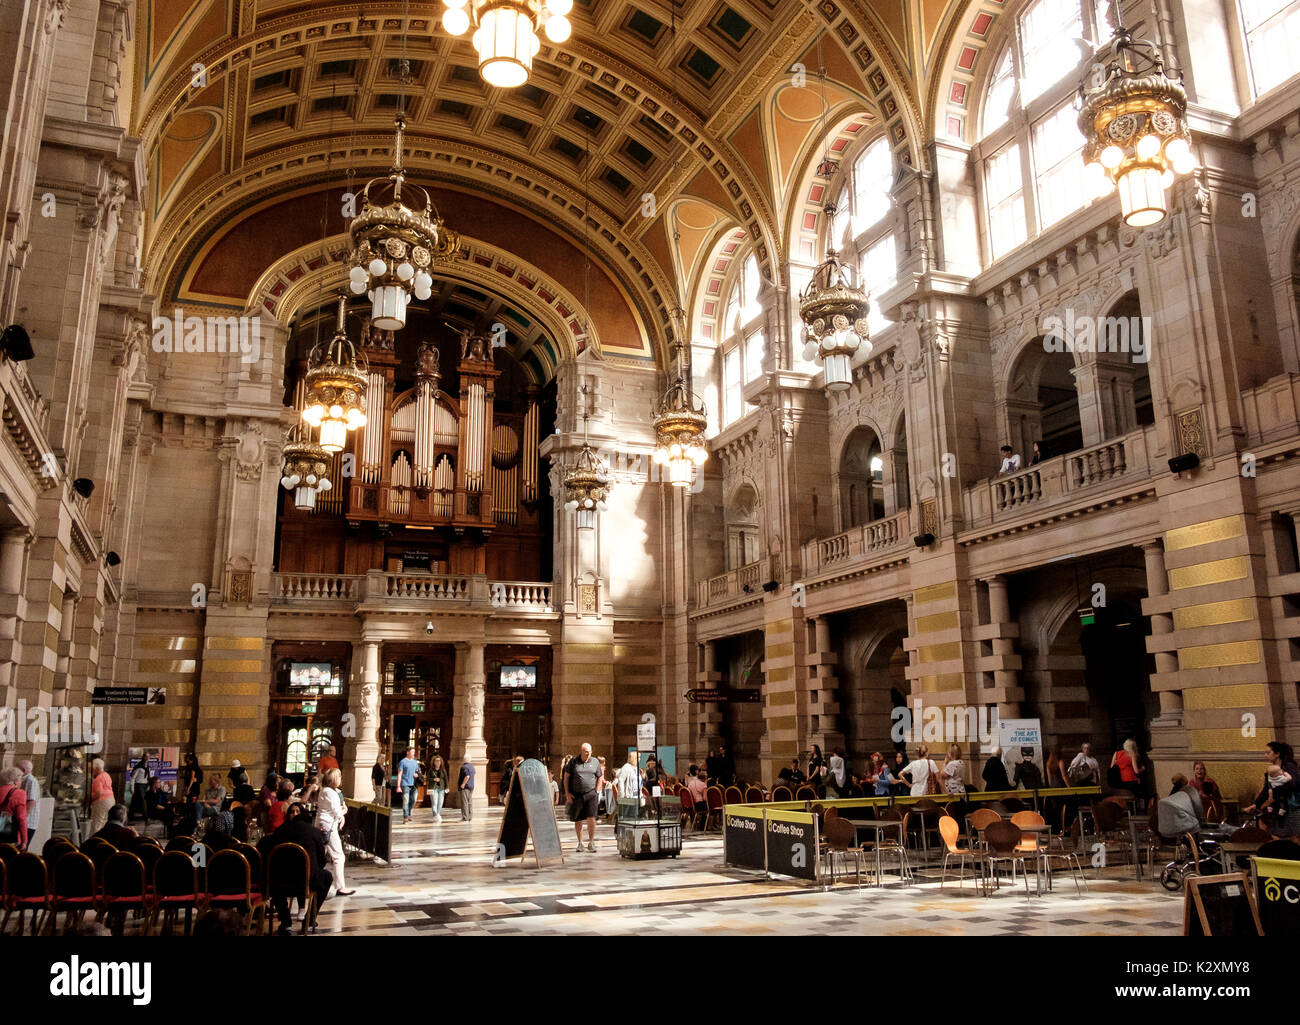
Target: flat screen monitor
point(518, 677)
point(310, 674)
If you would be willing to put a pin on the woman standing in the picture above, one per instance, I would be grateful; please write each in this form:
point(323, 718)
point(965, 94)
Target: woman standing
point(953, 773)
point(139, 785)
point(101, 796)
point(379, 780)
point(880, 776)
point(329, 820)
point(995, 772)
point(835, 773)
point(898, 787)
point(1055, 766)
point(816, 768)
point(1129, 765)
point(437, 780)
point(1280, 795)
point(919, 771)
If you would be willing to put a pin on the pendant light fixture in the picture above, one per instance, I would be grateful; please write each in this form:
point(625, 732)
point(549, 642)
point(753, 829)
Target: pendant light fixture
point(586, 483)
point(306, 470)
point(1133, 116)
point(505, 33)
point(336, 387)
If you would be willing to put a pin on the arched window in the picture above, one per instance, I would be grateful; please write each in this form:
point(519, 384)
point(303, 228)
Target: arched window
point(742, 345)
point(1030, 130)
point(862, 231)
point(1272, 30)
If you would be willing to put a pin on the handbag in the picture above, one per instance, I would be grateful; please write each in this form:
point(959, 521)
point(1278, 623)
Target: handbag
point(932, 778)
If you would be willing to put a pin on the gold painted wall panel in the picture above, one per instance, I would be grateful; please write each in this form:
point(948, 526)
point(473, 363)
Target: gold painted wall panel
point(939, 652)
point(1240, 695)
point(240, 689)
point(780, 674)
point(1215, 613)
point(1204, 533)
point(1229, 653)
point(934, 592)
point(780, 650)
point(1216, 572)
point(1230, 740)
point(155, 643)
point(167, 665)
point(938, 621)
point(781, 722)
point(787, 697)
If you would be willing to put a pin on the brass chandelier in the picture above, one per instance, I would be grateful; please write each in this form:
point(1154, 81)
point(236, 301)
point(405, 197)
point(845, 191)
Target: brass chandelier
point(505, 33)
point(586, 483)
point(1133, 117)
point(306, 470)
point(394, 246)
point(834, 311)
point(680, 421)
point(336, 388)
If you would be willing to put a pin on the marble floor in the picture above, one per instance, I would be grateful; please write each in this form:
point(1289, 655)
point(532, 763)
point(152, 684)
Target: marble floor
point(442, 880)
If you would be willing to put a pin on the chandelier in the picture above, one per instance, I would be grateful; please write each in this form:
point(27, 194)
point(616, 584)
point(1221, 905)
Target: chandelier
point(1134, 124)
point(680, 422)
point(505, 33)
point(586, 483)
point(834, 311)
point(394, 246)
point(336, 388)
point(306, 466)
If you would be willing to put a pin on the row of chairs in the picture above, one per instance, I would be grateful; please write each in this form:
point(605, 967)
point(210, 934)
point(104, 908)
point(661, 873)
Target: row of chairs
point(149, 882)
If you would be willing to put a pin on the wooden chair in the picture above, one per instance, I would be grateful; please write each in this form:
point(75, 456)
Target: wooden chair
point(27, 889)
point(853, 790)
point(1003, 839)
point(1028, 818)
point(149, 854)
point(754, 795)
point(54, 848)
point(99, 851)
point(74, 892)
point(733, 795)
point(805, 793)
point(288, 875)
point(841, 839)
point(230, 885)
point(781, 793)
point(949, 832)
point(175, 889)
point(1109, 819)
point(713, 805)
point(893, 847)
point(8, 852)
point(123, 890)
point(254, 858)
point(183, 843)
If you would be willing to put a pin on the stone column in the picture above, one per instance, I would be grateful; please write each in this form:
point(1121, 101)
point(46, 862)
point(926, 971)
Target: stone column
point(1171, 701)
point(363, 704)
point(13, 555)
point(1005, 662)
point(823, 711)
point(471, 695)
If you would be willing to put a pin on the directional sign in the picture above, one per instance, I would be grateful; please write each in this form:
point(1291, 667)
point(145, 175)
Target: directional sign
point(704, 696)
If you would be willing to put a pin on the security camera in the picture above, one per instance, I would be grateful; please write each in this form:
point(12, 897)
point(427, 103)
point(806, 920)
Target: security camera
point(428, 628)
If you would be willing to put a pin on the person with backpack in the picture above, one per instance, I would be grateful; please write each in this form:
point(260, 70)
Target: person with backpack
point(13, 808)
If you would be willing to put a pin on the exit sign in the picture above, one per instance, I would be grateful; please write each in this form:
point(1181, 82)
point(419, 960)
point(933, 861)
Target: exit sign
point(417, 706)
point(309, 708)
point(517, 705)
point(1087, 616)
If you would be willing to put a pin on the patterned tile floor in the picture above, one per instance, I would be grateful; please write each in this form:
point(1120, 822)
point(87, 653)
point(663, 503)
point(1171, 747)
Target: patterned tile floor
point(442, 881)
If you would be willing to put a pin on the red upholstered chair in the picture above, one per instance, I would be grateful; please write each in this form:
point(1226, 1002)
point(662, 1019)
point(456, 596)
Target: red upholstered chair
point(230, 885)
point(175, 889)
point(123, 890)
point(27, 889)
point(73, 892)
point(713, 801)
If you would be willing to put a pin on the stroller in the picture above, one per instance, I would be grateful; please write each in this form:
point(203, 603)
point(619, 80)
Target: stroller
point(1193, 856)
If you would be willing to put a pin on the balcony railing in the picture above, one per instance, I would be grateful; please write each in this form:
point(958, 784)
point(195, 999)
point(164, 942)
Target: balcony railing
point(379, 589)
point(1061, 479)
point(516, 594)
point(858, 544)
point(430, 586)
point(738, 583)
point(322, 586)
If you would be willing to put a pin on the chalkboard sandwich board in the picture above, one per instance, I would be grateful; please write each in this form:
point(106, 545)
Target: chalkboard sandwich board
point(529, 812)
point(1220, 906)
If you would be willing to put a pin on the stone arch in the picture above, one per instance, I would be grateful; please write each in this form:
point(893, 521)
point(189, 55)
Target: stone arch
point(872, 676)
point(898, 470)
point(1039, 401)
point(744, 518)
point(859, 478)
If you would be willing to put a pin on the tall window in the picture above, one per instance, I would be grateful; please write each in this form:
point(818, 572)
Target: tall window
point(1272, 30)
point(1030, 129)
point(741, 344)
point(862, 232)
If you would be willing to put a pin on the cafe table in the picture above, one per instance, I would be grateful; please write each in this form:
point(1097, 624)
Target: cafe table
point(879, 827)
point(1228, 850)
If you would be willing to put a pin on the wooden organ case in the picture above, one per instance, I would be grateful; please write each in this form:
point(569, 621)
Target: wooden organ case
point(441, 481)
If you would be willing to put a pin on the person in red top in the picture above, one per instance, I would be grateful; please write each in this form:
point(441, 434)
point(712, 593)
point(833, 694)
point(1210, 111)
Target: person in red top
point(277, 809)
point(328, 761)
point(1129, 763)
point(13, 806)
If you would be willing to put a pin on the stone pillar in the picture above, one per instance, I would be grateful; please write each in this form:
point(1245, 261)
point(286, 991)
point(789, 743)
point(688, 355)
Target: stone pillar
point(1087, 388)
point(471, 693)
point(824, 707)
point(13, 555)
point(708, 716)
point(1004, 663)
point(363, 703)
point(1171, 701)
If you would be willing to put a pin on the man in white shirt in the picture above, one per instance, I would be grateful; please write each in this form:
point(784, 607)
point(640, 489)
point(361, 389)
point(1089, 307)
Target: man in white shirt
point(1010, 460)
point(32, 787)
point(1084, 770)
point(628, 779)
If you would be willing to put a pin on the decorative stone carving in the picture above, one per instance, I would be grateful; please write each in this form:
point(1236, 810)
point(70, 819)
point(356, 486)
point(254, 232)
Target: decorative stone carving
point(1191, 432)
point(249, 447)
point(240, 589)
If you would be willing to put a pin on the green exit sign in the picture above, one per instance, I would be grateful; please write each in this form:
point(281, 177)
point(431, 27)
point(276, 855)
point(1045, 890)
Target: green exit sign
point(1087, 617)
point(309, 708)
point(517, 705)
point(417, 706)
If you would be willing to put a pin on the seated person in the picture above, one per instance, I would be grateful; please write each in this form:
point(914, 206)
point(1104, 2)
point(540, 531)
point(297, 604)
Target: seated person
point(697, 788)
point(213, 799)
point(243, 793)
point(116, 831)
point(298, 829)
point(277, 811)
point(1211, 795)
point(1181, 811)
point(158, 802)
point(221, 833)
point(790, 775)
point(270, 788)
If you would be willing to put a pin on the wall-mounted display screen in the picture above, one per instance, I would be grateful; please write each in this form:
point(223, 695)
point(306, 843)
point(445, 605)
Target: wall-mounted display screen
point(518, 677)
point(310, 674)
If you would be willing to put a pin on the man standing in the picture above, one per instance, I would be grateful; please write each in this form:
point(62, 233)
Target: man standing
point(32, 787)
point(1010, 461)
point(1084, 771)
point(581, 790)
point(726, 766)
point(329, 760)
point(628, 780)
point(407, 769)
point(465, 784)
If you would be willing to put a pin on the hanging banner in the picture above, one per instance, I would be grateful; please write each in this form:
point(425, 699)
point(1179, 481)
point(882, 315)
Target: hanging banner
point(1278, 896)
point(1022, 740)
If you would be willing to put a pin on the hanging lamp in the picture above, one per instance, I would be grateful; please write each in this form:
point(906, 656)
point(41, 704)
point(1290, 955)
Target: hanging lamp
point(336, 388)
point(586, 483)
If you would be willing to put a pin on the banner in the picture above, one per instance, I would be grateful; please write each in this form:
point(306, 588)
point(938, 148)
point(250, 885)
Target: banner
point(1278, 892)
point(792, 844)
point(1021, 739)
point(743, 838)
point(162, 762)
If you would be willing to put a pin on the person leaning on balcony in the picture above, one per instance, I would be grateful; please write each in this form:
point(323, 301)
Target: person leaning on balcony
point(1036, 456)
point(1010, 460)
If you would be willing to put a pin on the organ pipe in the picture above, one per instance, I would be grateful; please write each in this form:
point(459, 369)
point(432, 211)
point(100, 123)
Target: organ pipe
point(372, 434)
point(530, 453)
point(399, 500)
point(444, 487)
point(474, 439)
point(426, 386)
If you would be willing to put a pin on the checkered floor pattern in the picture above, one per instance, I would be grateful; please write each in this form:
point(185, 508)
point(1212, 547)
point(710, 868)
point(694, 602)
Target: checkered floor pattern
point(442, 880)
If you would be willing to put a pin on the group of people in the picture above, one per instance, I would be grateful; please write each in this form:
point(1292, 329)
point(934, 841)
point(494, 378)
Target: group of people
point(1011, 462)
point(411, 776)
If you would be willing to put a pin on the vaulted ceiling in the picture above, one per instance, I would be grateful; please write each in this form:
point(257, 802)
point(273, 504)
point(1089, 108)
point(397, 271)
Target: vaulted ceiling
point(258, 115)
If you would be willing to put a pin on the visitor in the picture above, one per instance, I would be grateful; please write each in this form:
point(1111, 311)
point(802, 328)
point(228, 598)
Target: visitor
point(437, 784)
point(726, 766)
point(237, 774)
point(604, 792)
point(221, 832)
point(379, 780)
point(507, 775)
point(243, 792)
point(159, 803)
point(13, 808)
point(116, 831)
point(299, 830)
point(1054, 768)
point(880, 777)
point(816, 768)
point(465, 784)
point(995, 772)
point(953, 773)
point(329, 760)
point(650, 779)
point(1036, 456)
point(581, 796)
point(836, 781)
point(920, 771)
point(790, 775)
point(213, 801)
point(306, 794)
point(329, 820)
point(1010, 461)
point(1279, 798)
point(32, 788)
point(101, 795)
point(555, 787)
point(898, 786)
point(1211, 795)
point(1084, 770)
point(711, 766)
point(139, 785)
point(699, 790)
point(1127, 768)
point(270, 788)
point(191, 778)
point(1027, 773)
point(407, 771)
point(278, 810)
point(628, 780)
